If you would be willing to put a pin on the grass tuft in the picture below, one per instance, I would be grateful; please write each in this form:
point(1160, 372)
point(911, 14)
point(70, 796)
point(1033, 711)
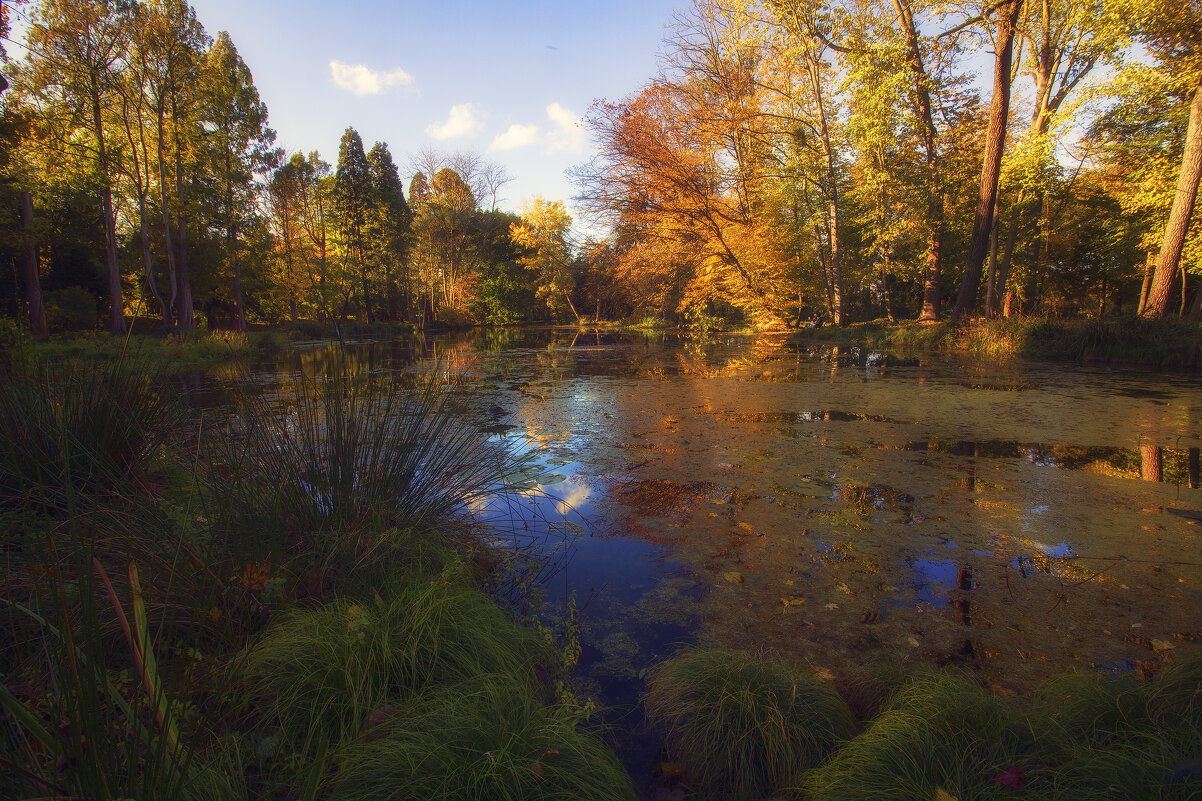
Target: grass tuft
point(329, 668)
point(487, 738)
point(941, 732)
point(743, 724)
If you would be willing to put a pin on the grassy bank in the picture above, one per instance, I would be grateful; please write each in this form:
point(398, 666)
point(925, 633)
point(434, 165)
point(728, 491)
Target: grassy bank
point(288, 603)
point(163, 353)
point(743, 726)
point(1166, 344)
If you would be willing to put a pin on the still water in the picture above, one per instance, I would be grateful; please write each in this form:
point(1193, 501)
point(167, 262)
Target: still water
point(841, 506)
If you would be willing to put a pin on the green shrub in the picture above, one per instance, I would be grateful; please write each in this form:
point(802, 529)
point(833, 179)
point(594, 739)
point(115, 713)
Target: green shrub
point(344, 460)
point(743, 724)
point(70, 309)
point(68, 434)
point(941, 732)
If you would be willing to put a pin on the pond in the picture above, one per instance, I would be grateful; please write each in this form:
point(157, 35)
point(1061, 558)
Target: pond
point(842, 506)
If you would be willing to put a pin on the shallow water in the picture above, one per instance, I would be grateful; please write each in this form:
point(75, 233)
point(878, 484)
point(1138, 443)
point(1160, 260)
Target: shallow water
point(843, 506)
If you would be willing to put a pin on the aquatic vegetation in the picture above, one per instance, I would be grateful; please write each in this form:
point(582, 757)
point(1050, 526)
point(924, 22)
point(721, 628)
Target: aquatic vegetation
point(743, 724)
point(329, 468)
point(940, 733)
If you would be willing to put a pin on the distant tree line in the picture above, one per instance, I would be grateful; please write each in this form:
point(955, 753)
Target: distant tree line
point(800, 157)
point(794, 159)
point(140, 178)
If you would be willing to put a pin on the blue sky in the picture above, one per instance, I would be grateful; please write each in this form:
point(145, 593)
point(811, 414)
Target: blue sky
point(509, 80)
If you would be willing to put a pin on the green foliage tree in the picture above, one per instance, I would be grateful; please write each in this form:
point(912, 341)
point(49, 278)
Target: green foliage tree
point(238, 142)
point(352, 200)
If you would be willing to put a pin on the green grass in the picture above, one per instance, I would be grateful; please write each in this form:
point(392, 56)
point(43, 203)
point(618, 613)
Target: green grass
point(743, 724)
point(328, 668)
point(1103, 737)
point(185, 351)
point(941, 732)
point(487, 738)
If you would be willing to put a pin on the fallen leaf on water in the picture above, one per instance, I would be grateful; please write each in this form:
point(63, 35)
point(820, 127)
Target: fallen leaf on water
point(792, 600)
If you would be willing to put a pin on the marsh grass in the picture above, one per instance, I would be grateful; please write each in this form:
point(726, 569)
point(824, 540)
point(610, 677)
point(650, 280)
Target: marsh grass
point(486, 738)
point(1105, 737)
point(73, 435)
point(940, 732)
point(743, 724)
point(325, 470)
point(328, 668)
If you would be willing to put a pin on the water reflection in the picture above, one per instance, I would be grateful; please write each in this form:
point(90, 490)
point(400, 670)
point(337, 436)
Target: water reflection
point(837, 504)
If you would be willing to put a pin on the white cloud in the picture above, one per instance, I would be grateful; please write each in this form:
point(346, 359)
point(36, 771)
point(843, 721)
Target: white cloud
point(568, 133)
point(517, 136)
point(362, 80)
point(462, 120)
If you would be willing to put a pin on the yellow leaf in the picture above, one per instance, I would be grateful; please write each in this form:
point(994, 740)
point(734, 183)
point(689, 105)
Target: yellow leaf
point(943, 795)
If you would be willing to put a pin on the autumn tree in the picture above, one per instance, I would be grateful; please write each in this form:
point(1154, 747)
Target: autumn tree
point(76, 53)
point(1172, 34)
point(543, 232)
point(1003, 17)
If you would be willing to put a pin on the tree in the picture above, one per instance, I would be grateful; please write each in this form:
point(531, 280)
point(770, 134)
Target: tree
point(1005, 17)
point(76, 51)
point(238, 146)
point(352, 199)
point(543, 232)
point(388, 229)
point(1172, 32)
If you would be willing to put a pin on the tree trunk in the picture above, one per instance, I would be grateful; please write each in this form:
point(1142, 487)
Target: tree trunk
point(1183, 206)
point(1151, 462)
point(116, 301)
point(185, 315)
point(30, 277)
point(932, 287)
point(992, 272)
point(171, 271)
point(991, 166)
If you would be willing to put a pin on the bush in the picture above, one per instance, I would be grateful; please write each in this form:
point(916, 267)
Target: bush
point(345, 460)
point(68, 434)
point(743, 724)
point(70, 309)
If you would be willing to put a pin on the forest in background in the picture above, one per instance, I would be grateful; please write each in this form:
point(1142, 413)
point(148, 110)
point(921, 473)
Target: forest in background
point(793, 161)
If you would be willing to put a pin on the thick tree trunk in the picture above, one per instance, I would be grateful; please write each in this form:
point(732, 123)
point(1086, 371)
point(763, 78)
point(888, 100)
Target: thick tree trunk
point(1151, 462)
point(30, 277)
point(991, 166)
point(1179, 215)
